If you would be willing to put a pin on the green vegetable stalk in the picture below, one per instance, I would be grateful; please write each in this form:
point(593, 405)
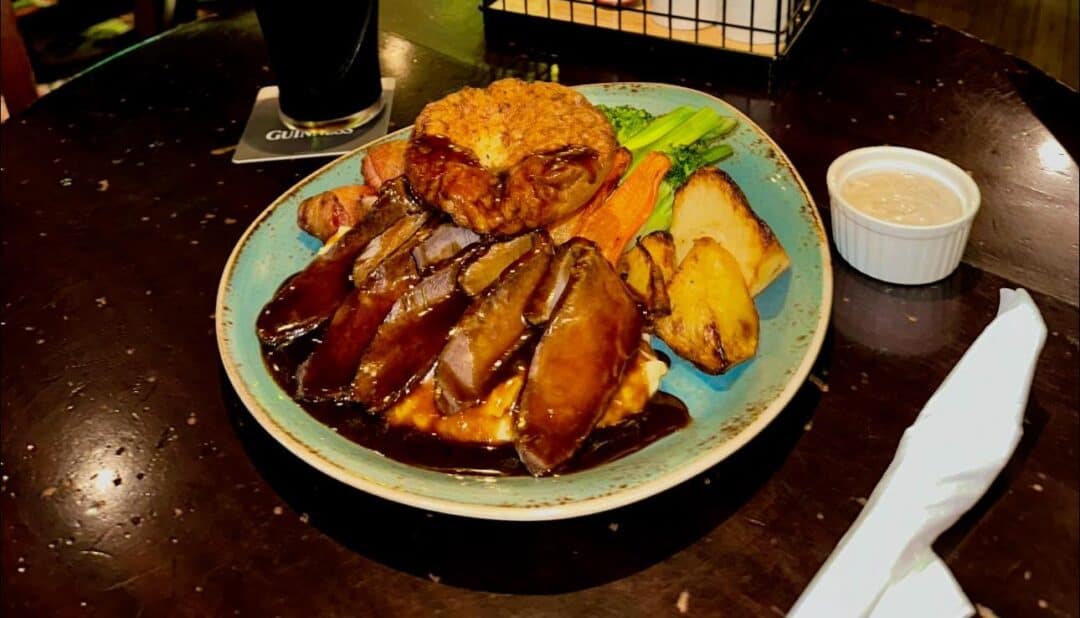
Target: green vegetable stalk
point(656, 130)
point(687, 136)
point(726, 125)
point(685, 160)
point(662, 213)
point(627, 120)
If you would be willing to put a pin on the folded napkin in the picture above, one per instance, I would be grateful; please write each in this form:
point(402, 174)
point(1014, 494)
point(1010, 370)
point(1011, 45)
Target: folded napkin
point(884, 567)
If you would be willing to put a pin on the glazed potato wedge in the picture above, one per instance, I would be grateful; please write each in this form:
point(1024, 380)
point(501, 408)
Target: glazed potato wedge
point(661, 248)
point(711, 204)
point(636, 269)
point(645, 281)
point(713, 321)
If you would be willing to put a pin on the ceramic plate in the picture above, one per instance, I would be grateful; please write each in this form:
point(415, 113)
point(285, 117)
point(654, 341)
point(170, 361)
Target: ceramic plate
point(727, 411)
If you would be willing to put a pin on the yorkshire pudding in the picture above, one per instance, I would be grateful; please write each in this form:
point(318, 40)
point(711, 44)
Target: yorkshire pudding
point(509, 157)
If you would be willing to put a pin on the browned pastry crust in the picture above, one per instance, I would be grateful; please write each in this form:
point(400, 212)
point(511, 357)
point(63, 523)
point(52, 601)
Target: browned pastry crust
point(509, 157)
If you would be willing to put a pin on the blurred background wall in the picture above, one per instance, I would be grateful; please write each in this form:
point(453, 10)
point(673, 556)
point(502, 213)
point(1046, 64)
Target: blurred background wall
point(1043, 32)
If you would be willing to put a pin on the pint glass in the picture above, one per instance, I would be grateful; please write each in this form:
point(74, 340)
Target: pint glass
point(326, 57)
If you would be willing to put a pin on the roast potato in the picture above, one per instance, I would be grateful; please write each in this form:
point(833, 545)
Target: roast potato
point(645, 281)
point(711, 204)
point(661, 248)
point(713, 321)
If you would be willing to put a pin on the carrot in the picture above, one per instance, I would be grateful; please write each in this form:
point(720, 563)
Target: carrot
point(622, 214)
point(564, 230)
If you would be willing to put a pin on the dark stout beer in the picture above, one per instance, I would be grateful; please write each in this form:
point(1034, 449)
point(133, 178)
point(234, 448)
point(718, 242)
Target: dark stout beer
point(326, 57)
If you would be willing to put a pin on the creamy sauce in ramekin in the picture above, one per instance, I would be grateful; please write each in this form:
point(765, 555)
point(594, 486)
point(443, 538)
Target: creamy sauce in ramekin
point(903, 197)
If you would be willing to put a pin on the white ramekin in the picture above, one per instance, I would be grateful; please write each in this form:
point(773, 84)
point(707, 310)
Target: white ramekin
point(894, 252)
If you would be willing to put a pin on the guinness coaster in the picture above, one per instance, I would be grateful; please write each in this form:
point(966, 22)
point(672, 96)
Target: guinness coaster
point(266, 138)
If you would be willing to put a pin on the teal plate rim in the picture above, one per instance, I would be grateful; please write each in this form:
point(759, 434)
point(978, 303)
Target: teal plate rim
point(717, 432)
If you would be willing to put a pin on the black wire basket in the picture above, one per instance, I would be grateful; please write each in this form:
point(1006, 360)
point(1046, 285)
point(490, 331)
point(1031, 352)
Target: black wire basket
point(761, 32)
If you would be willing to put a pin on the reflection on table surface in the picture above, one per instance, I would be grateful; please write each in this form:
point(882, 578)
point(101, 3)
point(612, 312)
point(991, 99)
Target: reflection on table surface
point(132, 474)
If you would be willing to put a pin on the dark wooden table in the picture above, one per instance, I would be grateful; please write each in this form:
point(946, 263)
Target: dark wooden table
point(135, 484)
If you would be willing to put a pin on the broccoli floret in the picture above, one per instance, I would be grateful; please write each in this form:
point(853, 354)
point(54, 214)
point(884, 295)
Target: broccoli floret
point(688, 136)
point(685, 160)
point(626, 119)
point(683, 163)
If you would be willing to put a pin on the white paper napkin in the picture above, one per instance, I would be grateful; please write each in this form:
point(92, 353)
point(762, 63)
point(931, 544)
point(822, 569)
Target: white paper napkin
point(946, 460)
